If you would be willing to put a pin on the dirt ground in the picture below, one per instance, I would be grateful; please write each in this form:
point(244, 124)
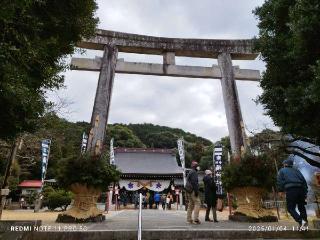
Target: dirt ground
point(50, 217)
point(46, 217)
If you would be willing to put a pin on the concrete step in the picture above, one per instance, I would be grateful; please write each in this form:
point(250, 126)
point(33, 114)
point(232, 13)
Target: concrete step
point(172, 234)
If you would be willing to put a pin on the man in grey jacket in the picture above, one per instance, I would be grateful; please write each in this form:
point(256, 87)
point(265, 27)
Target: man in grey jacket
point(193, 197)
point(292, 182)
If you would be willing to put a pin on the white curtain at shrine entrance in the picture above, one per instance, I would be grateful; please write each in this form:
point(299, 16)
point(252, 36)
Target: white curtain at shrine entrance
point(154, 185)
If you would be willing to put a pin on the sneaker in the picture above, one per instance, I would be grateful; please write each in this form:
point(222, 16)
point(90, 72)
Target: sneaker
point(304, 225)
point(197, 221)
point(216, 220)
point(208, 220)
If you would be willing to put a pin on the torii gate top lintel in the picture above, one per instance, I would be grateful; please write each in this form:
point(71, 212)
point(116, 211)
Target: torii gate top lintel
point(239, 49)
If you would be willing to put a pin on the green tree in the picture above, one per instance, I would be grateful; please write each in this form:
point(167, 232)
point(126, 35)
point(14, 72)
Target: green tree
point(57, 199)
point(143, 131)
point(123, 136)
point(35, 37)
point(289, 44)
point(206, 161)
point(13, 179)
point(66, 140)
point(162, 140)
point(252, 170)
point(91, 171)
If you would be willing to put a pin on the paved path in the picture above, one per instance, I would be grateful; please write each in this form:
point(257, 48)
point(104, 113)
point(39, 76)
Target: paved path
point(164, 225)
point(159, 219)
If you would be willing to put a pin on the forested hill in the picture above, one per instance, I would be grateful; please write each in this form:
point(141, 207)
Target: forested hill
point(67, 136)
point(157, 136)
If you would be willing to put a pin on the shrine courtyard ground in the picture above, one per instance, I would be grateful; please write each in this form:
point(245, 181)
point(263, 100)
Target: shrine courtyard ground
point(156, 224)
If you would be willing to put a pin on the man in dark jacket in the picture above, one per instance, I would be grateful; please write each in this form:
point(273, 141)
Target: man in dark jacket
point(210, 197)
point(292, 182)
point(193, 197)
point(136, 199)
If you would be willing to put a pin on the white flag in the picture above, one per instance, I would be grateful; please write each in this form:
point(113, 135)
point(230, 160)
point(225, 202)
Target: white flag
point(112, 162)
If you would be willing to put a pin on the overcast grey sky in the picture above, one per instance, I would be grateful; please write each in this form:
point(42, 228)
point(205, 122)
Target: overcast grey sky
point(195, 105)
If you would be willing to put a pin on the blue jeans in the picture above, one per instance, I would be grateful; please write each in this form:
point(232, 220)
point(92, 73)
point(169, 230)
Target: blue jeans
point(296, 196)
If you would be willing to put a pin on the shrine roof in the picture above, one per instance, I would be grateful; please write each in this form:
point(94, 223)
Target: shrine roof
point(147, 161)
point(31, 184)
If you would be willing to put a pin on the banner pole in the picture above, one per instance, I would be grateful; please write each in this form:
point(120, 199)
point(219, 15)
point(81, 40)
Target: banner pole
point(180, 143)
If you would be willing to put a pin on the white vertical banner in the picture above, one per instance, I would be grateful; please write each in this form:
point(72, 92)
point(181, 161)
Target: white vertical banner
point(45, 151)
point(112, 160)
point(217, 162)
point(180, 143)
point(84, 143)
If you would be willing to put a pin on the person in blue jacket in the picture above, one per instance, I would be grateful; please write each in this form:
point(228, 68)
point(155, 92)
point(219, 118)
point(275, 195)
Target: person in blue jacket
point(292, 182)
point(157, 199)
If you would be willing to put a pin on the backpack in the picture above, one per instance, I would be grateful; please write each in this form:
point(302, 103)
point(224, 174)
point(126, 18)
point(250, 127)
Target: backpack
point(188, 186)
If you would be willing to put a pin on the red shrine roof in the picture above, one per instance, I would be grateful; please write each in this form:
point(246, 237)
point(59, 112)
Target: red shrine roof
point(31, 184)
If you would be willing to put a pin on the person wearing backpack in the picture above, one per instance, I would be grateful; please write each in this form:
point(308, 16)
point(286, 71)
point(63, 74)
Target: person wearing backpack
point(192, 189)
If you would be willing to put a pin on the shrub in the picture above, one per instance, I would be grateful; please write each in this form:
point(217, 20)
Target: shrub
point(87, 170)
point(57, 199)
point(47, 190)
point(31, 197)
point(257, 171)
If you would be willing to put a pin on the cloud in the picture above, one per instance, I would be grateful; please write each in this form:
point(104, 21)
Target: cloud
point(195, 105)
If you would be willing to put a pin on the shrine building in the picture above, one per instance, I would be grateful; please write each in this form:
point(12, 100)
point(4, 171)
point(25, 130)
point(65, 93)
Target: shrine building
point(148, 168)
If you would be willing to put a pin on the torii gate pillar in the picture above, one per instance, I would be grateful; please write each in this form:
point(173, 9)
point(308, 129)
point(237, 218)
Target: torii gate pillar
point(232, 105)
point(100, 113)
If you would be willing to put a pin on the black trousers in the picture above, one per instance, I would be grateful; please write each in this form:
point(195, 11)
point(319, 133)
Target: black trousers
point(214, 213)
point(296, 197)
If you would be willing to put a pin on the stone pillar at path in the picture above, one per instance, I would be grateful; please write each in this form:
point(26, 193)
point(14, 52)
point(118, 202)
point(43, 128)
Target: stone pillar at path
point(232, 105)
point(99, 118)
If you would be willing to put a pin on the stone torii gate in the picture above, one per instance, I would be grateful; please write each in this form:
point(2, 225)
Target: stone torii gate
point(113, 42)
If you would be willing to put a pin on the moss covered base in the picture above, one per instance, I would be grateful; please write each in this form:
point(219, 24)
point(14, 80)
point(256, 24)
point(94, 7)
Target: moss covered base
point(64, 218)
point(239, 217)
point(250, 209)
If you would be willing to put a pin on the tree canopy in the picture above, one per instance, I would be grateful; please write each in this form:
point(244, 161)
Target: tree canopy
point(258, 171)
point(34, 39)
point(289, 44)
point(155, 136)
point(67, 136)
point(123, 136)
point(91, 171)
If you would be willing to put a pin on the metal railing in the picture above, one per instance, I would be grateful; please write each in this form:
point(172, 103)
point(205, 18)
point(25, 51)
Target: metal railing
point(140, 217)
point(274, 204)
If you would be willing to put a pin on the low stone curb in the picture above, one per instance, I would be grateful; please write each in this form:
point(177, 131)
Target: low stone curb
point(172, 234)
point(16, 229)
